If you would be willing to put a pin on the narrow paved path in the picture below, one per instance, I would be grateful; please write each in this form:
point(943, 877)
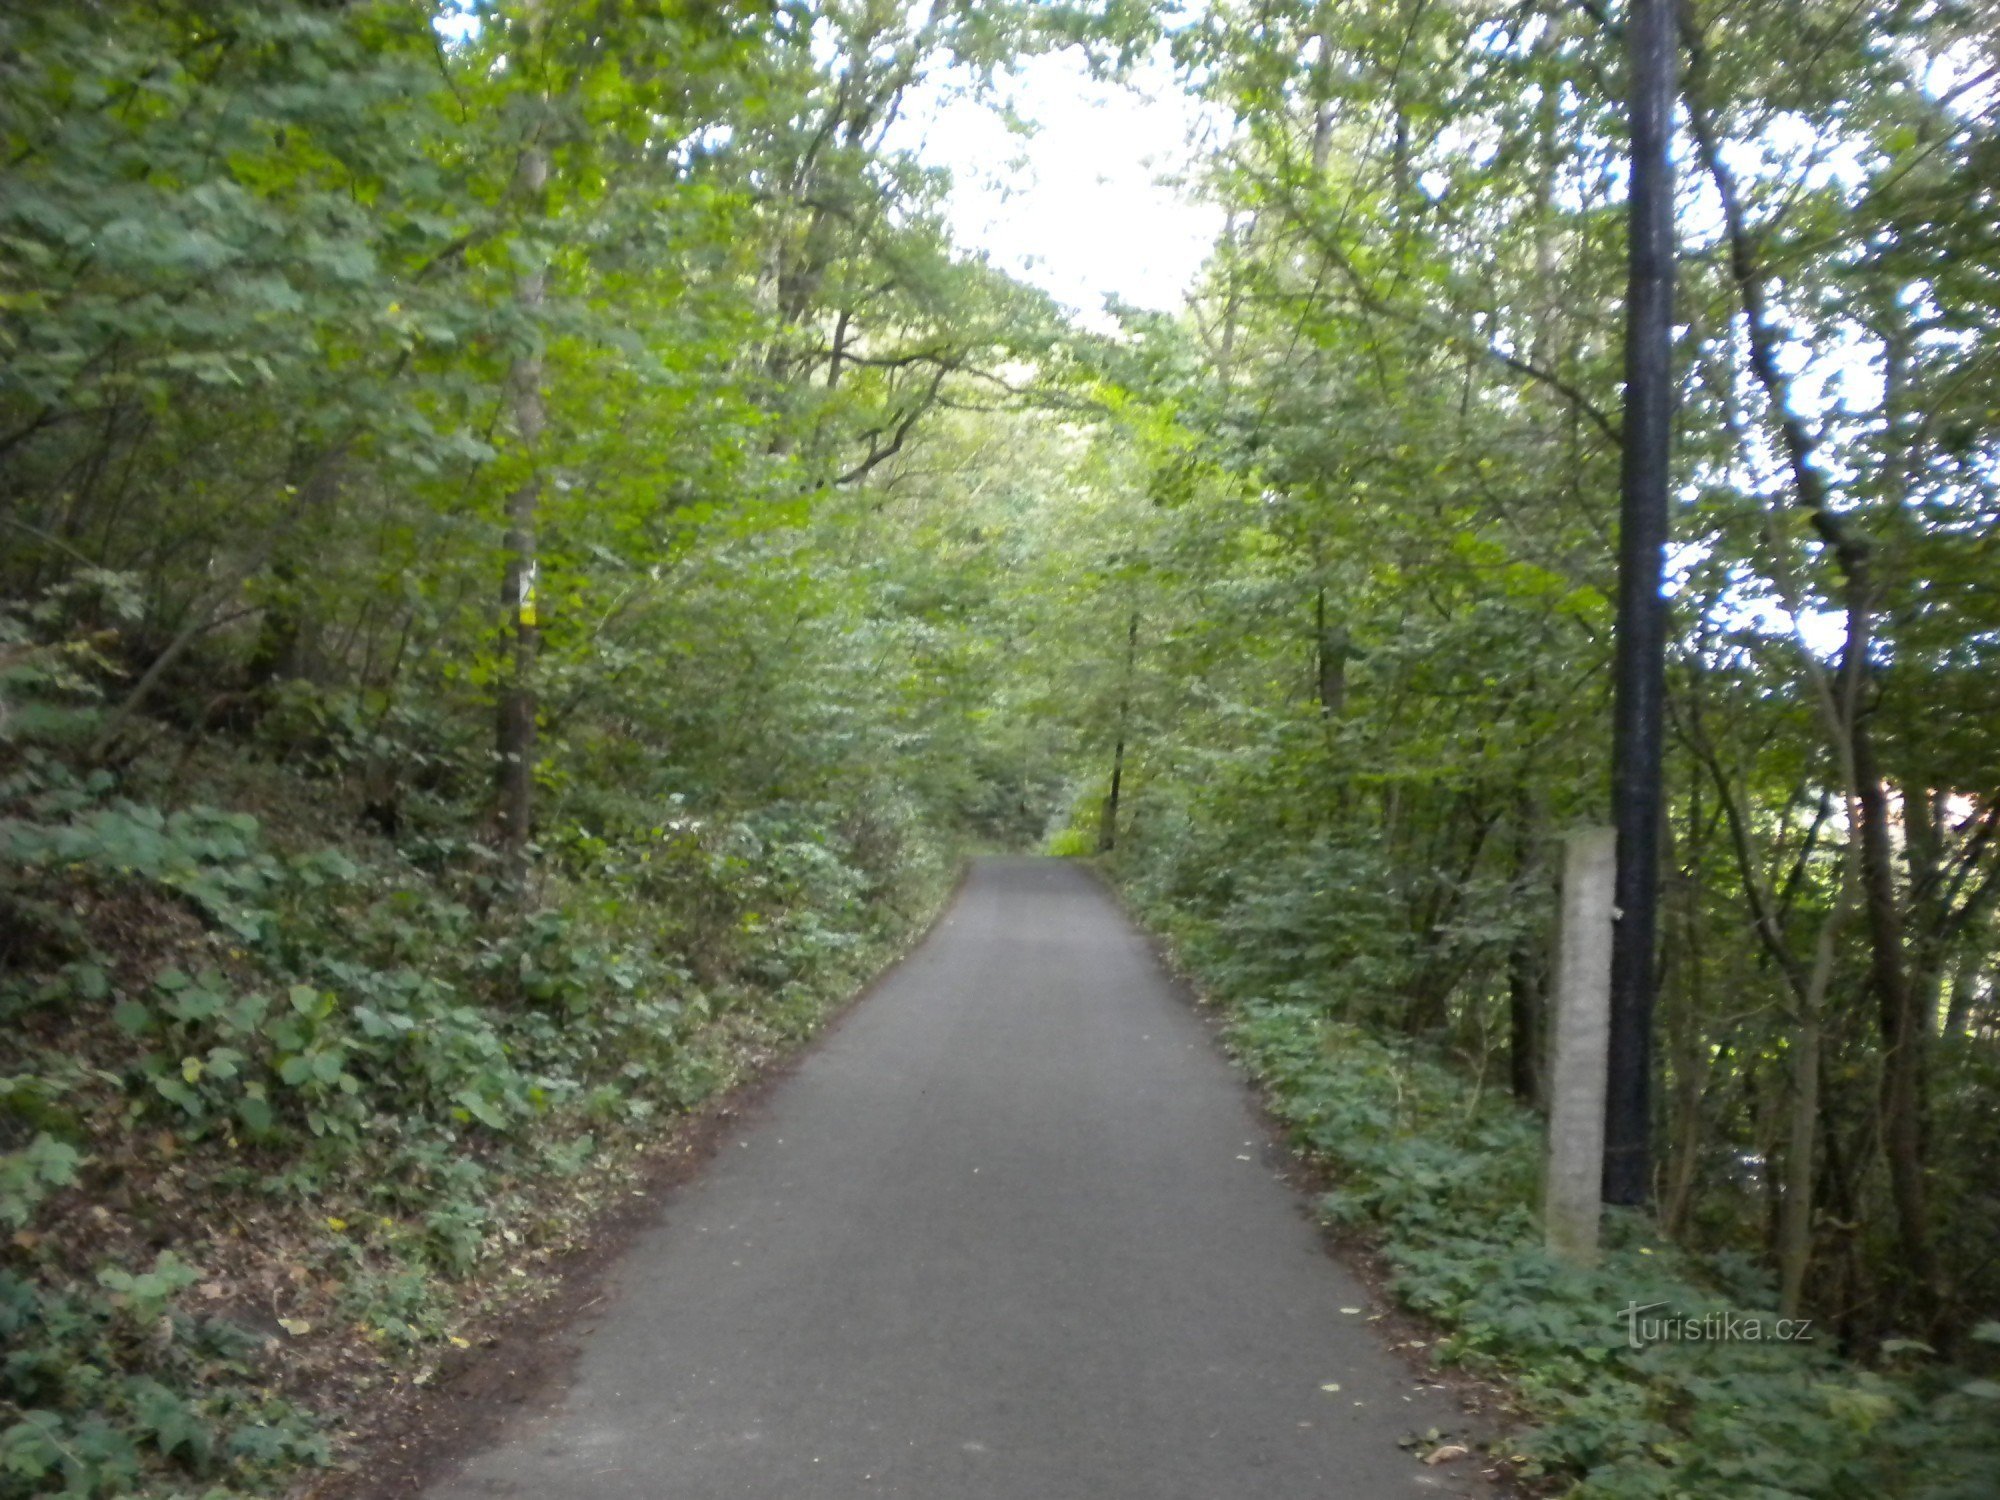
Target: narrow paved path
point(1011, 1233)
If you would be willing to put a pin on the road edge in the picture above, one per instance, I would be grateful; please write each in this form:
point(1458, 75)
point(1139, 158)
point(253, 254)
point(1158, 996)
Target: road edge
point(1490, 1408)
point(520, 1348)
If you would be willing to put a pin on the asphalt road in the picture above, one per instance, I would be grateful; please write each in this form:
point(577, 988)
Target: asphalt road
point(1011, 1233)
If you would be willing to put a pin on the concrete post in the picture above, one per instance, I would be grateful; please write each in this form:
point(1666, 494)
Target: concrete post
point(1574, 1184)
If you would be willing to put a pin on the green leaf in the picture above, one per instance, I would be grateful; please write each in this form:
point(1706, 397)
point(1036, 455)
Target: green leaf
point(29, 1175)
point(178, 1091)
point(224, 1063)
point(255, 1113)
point(196, 1004)
point(172, 1423)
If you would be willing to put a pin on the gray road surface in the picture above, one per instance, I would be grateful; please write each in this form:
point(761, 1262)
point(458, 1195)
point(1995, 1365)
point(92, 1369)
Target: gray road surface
point(1012, 1233)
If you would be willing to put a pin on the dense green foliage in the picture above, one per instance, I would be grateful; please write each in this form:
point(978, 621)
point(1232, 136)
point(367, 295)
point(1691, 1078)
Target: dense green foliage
point(398, 405)
point(335, 1085)
point(1369, 679)
point(1447, 1186)
point(525, 550)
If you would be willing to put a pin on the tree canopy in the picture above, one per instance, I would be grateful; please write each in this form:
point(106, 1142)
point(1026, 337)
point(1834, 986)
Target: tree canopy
point(526, 550)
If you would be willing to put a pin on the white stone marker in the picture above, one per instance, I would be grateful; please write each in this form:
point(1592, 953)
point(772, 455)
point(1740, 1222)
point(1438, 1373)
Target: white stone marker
point(1574, 1185)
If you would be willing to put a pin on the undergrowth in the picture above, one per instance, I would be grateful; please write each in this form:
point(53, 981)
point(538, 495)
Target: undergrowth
point(276, 1113)
point(1444, 1178)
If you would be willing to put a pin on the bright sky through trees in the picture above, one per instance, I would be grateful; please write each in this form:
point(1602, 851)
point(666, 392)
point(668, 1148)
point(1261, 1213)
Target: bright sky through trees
point(1093, 202)
point(533, 531)
point(1084, 193)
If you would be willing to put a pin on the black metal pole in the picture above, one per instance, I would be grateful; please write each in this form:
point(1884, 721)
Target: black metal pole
point(1651, 52)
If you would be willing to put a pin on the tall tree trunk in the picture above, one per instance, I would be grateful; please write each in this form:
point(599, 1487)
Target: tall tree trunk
point(514, 728)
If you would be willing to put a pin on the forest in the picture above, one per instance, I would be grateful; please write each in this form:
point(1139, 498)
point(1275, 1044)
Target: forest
point(529, 555)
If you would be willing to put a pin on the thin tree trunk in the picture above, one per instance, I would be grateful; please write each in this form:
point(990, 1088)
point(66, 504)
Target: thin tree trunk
point(1684, 1144)
point(833, 363)
point(1686, 1056)
point(1902, 1028)
point(1902, 1035)
point(1524, 963)
point(1964, 990)
point(277, 653)
point(1107, 828)
point(1330, 652)
point(1548, 271)
point(1322, 86)
point(1795, 1217)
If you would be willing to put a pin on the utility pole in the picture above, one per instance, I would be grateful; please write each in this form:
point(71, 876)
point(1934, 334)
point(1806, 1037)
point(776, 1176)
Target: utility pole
point(1651, 58)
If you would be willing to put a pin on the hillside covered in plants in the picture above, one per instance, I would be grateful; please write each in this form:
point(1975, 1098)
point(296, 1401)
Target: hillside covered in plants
point(529, 555)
